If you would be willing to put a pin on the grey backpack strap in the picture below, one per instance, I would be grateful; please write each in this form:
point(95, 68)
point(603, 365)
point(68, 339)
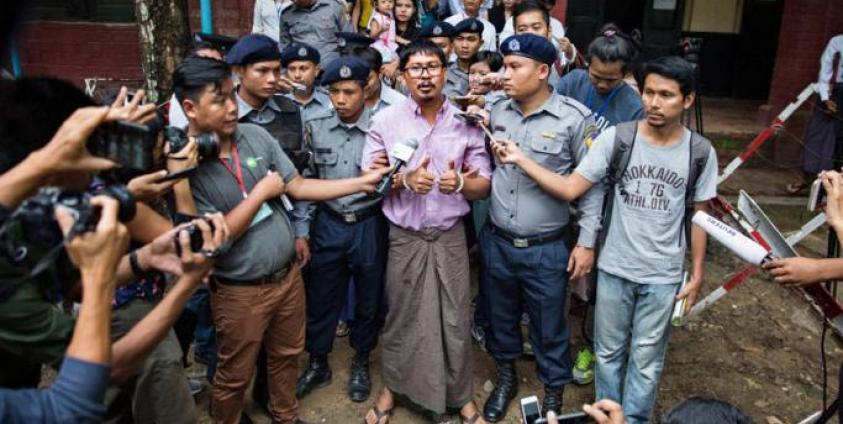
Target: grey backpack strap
point(697, 160)
point(625, 134)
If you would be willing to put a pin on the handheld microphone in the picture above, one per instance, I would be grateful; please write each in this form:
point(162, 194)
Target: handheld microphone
point(402, 153)
point(741, 245)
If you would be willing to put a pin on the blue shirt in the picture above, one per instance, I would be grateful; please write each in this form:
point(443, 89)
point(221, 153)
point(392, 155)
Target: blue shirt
point(622, 104)
point(76, 397)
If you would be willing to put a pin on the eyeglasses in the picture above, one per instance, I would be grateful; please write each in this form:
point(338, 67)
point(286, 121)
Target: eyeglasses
point(416, 71)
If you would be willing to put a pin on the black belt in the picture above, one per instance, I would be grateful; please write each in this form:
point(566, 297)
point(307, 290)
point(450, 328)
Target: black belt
point(353, 217)
point(523, 242)
point(273, 277)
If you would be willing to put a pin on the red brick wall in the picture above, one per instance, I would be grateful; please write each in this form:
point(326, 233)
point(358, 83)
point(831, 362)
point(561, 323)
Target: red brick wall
point(231, 17)
point(75, 51)
point(807, 25)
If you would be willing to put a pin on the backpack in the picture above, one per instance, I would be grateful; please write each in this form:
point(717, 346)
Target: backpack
point(625, 134)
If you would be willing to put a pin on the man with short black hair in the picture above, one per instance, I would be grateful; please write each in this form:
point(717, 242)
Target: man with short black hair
point(658, 173)
point(257, 291)
point(487, 34)
point(349, 235)
point(468, 39)
point(526, 222)
point(378, 95)
point(427, 354)
point(442, 35)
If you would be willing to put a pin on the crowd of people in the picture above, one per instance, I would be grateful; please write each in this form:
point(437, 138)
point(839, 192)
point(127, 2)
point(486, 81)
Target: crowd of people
point(338, 172)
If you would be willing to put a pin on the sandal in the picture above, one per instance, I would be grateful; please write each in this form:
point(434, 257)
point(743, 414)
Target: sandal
point(795, 188)
point(379, 415)
point(470, 420)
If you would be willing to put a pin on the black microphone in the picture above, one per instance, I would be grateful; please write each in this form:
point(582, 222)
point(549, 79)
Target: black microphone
point(402, 153)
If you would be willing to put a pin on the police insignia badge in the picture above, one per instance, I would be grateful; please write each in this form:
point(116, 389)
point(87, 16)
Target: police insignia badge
point(437, 30)
point(345, 72)
point(341, 42)
point(514, 46)
point(302, 52)
point(591, 132)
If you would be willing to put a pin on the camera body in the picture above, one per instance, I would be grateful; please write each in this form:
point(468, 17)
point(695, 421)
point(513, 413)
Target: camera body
point(126, 143)
point(196, 239)
point(37, 212)
point(208, 144)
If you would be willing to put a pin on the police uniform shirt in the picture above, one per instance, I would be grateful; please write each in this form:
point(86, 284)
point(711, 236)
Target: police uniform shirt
point(319, 103)
point(553, 136)
point(337, 153)
point(456, 81)
point(316, 26)
point(389, 97)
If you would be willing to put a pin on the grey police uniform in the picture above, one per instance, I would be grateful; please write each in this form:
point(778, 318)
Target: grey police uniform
point(348, 238)
point(456, 81)
point(319, 104)
point(316, 26)
point(523, 246)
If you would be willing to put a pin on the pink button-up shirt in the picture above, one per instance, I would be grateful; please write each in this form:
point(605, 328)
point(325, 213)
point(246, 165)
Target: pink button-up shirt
point(448, 138)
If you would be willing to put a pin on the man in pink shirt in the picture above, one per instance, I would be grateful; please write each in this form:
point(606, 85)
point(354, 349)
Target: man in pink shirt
point(427, 354)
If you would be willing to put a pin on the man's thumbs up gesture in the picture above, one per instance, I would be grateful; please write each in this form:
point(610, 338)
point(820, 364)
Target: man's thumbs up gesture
point(452, 181)
point(420, 180)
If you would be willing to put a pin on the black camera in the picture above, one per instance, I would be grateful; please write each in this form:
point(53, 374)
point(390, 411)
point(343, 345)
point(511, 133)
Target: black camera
point(38, 219)
point(208, 144)
point(126, 143)
point(196, 239)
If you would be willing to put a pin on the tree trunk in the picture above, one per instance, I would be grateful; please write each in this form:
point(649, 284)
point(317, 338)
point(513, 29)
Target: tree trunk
point(164, 33)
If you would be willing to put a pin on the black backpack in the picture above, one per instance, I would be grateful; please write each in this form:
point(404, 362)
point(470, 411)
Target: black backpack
point(625, 134)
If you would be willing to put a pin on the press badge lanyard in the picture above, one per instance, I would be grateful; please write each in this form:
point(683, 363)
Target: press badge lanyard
point(590, 98)
point(237, 172)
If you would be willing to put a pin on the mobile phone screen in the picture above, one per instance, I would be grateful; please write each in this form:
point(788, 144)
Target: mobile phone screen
point(531, 412)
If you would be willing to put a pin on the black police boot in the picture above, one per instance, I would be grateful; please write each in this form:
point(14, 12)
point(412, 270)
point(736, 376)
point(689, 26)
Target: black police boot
point(505, 389)
point(317, 374)
point(552, 400)
point(359, 384)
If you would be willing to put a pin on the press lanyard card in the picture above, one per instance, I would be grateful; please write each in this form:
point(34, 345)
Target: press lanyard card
point(262, 214)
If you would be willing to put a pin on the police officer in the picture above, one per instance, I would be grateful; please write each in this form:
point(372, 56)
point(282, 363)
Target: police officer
point(348, 235)
point(523, 247)
point(468, 38)
point(301, 63)
point(442, 34)
point(348, 42)
point(316, 23)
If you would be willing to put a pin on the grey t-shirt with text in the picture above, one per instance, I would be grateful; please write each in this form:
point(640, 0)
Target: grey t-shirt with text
point(646, 241)
point(267, 245)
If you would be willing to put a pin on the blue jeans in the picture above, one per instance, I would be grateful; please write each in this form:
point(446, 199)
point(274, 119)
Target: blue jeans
point(205, 337)
point(631, 328)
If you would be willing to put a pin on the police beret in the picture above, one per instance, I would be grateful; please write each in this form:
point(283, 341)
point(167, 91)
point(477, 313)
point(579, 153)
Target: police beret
point(345, 68)
point(530, 45)
point(299, 51)
point(469, 25)
point(436, 29)
point(351, 40)
point(222, 42)
point(253, 48)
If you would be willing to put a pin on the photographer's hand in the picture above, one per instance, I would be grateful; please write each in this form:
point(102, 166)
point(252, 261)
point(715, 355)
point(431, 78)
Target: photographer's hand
point(605, 412)
point(98, 252)
point(66, 152)
point(160, 254)
point(186, 158)
point(132, 111)
point(149, 186)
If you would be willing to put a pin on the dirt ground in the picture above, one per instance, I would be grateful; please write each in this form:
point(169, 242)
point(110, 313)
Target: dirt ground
point(758, 348)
